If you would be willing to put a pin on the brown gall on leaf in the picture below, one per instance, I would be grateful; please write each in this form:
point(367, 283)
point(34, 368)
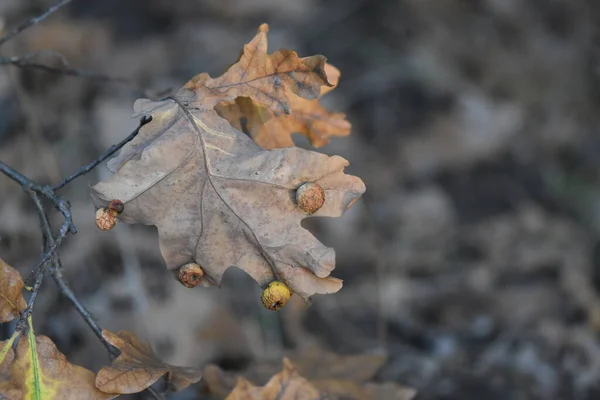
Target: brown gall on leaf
point(106, 219)
point(11, 296)
point(310, 197)
point(190, 275)
point(137, 367)
point(116, 206)
point(275, 296)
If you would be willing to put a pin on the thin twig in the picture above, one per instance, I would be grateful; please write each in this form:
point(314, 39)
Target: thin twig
point(109, 152)
point(82, 73)
point(36, 190)
point(57, 275)
point(60, 203)
point(39, 277)
point(32, 21)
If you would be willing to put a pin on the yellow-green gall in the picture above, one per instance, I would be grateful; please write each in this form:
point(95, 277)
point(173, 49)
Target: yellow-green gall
point(310, 197)
point(190, 275)
point(275, 295)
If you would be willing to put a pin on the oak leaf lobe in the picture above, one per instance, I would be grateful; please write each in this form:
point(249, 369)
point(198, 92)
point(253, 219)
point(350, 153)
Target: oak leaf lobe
point(11, 296)
point(40, 370)
point(137, 367)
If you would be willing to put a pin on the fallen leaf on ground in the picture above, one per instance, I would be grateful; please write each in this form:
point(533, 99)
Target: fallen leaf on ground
point(287, 385)
point(40, 371)
point(137, 367)
point(11, 296)
point(315, 363)
point(306, 117)
point(342, 377)
point(217, 198)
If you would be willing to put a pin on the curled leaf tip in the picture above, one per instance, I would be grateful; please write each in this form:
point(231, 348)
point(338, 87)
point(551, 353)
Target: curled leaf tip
point(264, 28)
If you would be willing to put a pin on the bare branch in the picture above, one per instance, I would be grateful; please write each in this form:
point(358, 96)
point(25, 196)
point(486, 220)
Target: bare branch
point(32, 21)
point(57, 275)
point(23, 62)
point(60, 203)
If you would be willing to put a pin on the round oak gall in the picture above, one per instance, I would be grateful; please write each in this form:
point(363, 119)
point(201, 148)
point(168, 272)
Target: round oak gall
point(190, 275)
point(275, 295)
point(105, 219)
point(310, 197)
point(116, 206)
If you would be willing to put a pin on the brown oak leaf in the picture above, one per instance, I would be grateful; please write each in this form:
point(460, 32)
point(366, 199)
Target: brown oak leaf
point(7, 355)
point(40, 371)
point(307, 117)
point(11, 296)
point(217, 198)
point(266, 78)
point(340, 377)
point(286, 385)
point(137, 367)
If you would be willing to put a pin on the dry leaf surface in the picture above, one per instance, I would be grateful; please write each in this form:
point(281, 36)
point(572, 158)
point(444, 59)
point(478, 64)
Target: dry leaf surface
point(11, 296)
point(7, 355)
point(343, 377)
point(137, 367)
point(306, 117)
point(217, 198)
point(265, 78)
point(287, 385)
point(40, 371)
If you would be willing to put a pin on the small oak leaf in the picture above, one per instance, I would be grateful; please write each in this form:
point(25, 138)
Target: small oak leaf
point(11, 296)
point(336, 377)
point(306, 117)
point(266, 78)
point(137, 367)
point(286, 385)
point(40, 371)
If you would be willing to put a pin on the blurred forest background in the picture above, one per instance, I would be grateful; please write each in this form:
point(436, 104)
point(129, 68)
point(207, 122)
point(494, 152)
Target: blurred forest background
point(473, 259)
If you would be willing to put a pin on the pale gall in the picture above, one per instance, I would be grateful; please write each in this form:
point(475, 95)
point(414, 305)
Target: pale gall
point(105, 219)
point(310, 197)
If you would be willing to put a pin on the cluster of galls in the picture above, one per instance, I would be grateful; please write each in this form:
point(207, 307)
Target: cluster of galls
point(310, 197)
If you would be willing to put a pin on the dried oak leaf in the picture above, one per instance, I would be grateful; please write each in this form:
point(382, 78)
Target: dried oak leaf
point(7, 355)
point(307, 117)
point(342, 377)
point(40, 371)
point(286, 385)
point(217, 198)
point(267, 79)
point(137, 367)
point(11, 296)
